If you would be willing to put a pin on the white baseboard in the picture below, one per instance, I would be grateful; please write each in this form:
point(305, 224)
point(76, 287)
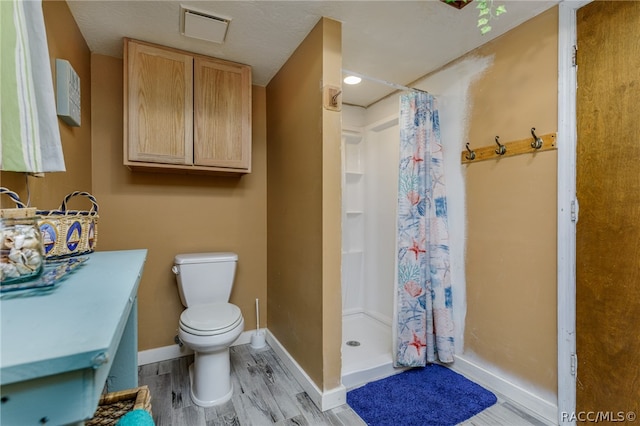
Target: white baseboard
point(165, 353)
point(324, 400)
point(536, 404)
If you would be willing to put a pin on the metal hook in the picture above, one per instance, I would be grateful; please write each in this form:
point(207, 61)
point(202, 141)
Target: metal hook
point(334, 99)
point(471, 155)
point(537, 142)
point(501, 148)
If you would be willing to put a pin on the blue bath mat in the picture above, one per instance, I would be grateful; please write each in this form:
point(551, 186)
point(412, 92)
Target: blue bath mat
point(433, 395)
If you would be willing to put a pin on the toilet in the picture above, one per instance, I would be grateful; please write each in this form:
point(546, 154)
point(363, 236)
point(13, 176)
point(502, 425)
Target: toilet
point(210, 324)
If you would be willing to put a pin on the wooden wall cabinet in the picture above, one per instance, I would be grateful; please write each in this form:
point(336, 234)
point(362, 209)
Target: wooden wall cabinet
point(185, 112)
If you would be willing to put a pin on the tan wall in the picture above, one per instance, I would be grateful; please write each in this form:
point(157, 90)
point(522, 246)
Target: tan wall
point(65, 42)
point(511, 208)
point(170, 214)
point(332, 212)
point(304, 206)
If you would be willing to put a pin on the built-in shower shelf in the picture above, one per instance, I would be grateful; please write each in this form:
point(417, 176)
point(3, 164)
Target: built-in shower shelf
point(352, 136)
point(353, 217)
point(352, 151)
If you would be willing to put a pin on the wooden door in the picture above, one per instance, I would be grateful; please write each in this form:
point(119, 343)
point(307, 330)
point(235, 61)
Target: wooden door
point(159, 103)
point(608, 190)
point(222, 96)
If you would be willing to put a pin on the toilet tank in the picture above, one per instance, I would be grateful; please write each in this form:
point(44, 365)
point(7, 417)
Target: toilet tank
point(205, 277)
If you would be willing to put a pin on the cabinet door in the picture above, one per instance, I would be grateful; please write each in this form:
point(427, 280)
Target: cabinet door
point(222, 102)
point(160, 105)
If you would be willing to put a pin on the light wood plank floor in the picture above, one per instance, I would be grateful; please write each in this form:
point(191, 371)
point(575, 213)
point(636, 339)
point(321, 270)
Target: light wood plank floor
point(265, 393)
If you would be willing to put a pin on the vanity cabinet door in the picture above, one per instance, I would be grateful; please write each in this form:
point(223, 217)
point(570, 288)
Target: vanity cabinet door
point(158, 105)
point(222, 111)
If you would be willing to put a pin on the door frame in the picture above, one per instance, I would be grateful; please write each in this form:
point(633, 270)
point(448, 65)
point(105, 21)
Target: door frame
point(567, 210)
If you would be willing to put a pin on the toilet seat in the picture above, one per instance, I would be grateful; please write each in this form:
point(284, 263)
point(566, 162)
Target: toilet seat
point(210, 319)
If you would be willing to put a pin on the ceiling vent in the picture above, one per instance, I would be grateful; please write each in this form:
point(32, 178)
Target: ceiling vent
point(204, 26)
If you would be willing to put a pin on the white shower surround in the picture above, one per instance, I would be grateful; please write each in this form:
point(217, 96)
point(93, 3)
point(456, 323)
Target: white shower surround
point(381, 140)
point(379, 123)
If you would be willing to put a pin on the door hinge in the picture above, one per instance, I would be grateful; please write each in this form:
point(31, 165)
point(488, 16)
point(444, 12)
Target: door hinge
point(574, 364)
point(574, 56)
point(575, 208)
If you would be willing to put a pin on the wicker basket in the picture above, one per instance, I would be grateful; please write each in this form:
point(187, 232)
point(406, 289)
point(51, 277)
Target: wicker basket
point(65, 232)
point(114, 405)
point(69, 232)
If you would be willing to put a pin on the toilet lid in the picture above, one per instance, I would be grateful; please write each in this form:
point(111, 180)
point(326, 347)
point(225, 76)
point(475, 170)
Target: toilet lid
point(209, 319)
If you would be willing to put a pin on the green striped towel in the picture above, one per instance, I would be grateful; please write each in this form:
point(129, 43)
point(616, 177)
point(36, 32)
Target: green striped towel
point(29, 131)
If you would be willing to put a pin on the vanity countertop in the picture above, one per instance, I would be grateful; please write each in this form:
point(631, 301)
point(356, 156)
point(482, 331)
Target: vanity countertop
point(74, 331)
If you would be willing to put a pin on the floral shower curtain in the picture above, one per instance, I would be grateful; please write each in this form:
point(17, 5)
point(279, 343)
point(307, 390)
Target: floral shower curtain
point(424, 322)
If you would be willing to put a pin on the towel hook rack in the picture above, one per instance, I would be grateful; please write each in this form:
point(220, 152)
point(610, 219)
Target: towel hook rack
point(537, 142)
point(471, 155)
point(522, 146)
point(501, 150)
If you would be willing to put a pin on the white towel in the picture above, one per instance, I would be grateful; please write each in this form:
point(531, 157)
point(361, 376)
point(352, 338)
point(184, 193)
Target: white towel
point(29, 131)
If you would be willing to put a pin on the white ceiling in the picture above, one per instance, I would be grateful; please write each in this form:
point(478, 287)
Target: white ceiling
point(396, 41)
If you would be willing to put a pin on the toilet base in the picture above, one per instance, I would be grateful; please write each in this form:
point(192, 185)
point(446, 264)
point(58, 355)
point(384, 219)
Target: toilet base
point(212, 384)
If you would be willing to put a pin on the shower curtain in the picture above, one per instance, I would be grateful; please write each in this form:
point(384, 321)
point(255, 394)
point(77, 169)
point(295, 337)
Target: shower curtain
point(424, 326)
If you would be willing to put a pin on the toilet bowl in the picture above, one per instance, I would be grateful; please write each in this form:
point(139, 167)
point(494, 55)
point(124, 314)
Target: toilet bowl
point(209, 324)
point(209, 330)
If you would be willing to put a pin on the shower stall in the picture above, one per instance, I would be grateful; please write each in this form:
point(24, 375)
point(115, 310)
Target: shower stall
point(370, 149)
point(369, 198)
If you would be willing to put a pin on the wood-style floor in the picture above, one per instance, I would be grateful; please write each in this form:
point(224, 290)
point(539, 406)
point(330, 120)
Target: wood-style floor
point(265, 393)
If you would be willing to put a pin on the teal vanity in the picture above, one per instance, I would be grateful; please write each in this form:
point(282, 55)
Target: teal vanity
point(59, 349)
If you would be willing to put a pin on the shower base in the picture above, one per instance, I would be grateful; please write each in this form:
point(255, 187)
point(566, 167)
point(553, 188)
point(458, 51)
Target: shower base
point(370, 359)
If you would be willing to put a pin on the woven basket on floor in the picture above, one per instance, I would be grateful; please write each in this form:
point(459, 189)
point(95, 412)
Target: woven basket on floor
point(114, 405)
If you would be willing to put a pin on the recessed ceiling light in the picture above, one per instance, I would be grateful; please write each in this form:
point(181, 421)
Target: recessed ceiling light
point(352, 79)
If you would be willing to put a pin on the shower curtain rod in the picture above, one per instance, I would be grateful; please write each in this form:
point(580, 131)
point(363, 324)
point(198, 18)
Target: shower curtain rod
point(385, 82)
